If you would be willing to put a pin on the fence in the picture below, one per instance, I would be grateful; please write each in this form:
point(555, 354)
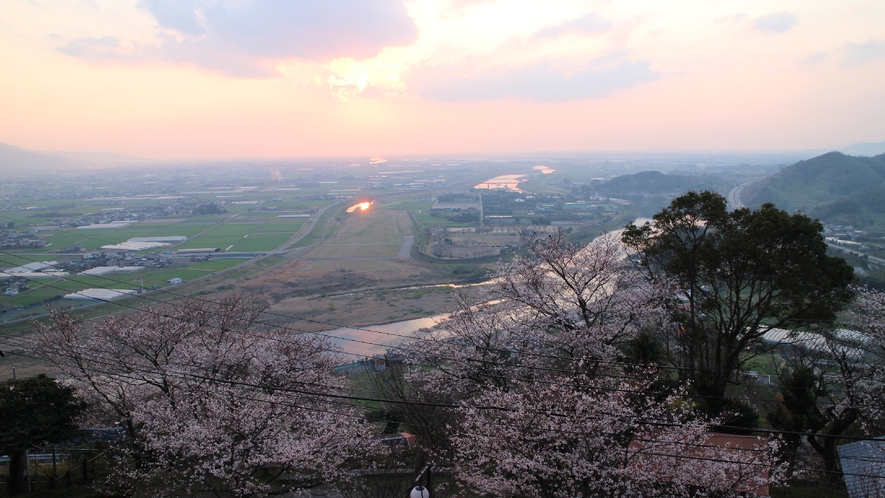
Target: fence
point(59, 469)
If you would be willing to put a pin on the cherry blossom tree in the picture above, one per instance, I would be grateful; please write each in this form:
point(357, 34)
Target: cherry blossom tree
point(835, 382)
point(545, 405)
point(208, 396)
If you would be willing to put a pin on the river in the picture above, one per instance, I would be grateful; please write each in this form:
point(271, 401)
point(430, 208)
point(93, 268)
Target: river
point(376, 339)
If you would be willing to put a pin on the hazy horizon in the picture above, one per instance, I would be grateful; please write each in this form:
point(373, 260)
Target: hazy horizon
point(112, 159)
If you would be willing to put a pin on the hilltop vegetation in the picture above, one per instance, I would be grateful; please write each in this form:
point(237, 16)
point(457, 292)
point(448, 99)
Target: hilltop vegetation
point(834, 187)
point(652, 190)
point(655, 182)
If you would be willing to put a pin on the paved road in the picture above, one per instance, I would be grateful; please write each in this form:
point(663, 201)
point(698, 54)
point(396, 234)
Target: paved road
point(871, 259)
point(405, 251)
point(734, 197)
point(304, 233)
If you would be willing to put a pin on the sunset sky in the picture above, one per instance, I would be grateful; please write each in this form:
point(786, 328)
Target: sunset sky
point(205, 79)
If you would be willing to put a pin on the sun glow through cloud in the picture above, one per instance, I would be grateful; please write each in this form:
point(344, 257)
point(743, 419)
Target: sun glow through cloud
point(439, 76)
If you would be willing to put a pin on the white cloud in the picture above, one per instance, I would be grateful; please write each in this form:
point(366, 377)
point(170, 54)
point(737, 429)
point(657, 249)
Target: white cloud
point(588, 24)
point(860, 53)
point(247, 38)
point(775, 23)
point(814, 59)
point(538, 83)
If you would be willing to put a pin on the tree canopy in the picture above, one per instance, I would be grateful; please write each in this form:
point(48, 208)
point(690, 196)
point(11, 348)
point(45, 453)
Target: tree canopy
point(736, 274)
point(542, 404)
point(34, 411)
point(833, 383)
point(207, 395)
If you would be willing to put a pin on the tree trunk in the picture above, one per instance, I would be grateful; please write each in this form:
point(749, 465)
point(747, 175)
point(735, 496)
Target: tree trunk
point(18, 471)
point(711, 391)
point(827, 449)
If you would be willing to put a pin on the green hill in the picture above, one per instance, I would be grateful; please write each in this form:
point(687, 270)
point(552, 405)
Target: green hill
point(652, 190)
point(834, 187)
point(655, 182)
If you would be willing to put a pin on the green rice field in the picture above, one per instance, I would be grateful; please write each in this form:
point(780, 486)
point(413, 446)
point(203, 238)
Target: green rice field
point(47, 289)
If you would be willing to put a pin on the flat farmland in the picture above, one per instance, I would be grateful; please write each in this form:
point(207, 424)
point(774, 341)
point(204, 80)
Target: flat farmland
point(274, 224)
point(374, 233)
point(250, 232)
point(193, 271)
point(90, 239)
point(489, 240)
point(47, 289)
point(421, 211)
point(158, 229)
point(94, 239)
point(221, 236)
point(349, 251)
point(8, 260)
point(260, 242)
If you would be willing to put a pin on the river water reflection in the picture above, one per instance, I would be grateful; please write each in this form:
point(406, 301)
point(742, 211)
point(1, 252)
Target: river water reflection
point(510, 182)
point(503, 182)
point(376, 339)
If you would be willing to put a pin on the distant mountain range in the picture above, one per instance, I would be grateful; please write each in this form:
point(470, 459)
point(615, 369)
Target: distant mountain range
point(864, 149)
point(834, 187)
point(16, 160)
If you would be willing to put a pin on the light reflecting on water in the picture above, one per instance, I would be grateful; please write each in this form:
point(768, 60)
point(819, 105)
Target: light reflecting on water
point(376, 339)
point(361, 206)
point(510, 182)
point(503, 182)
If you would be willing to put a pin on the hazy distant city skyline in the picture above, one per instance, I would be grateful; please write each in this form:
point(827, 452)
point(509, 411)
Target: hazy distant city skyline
point(201, 79)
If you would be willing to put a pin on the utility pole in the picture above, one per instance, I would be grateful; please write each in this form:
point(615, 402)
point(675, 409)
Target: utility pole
point(28, 469)
point(425, 491)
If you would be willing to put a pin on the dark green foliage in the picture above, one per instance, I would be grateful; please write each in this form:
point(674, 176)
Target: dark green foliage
point(807, 404)
point(644, 350)
point(655, 182)
point(209, 208)
point(870, 200)
point(736, 274)
point(846, 174)
point(34, 411)
point(651, 190)
point(833, 187)
point(736, 413)
point(797, 408)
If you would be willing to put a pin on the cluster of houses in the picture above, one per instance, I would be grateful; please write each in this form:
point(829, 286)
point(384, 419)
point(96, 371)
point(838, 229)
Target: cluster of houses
point(14, 285)
point(15, 280)
point(843, 232)
point(13, 239)
point(92, 260)
point(112, 217)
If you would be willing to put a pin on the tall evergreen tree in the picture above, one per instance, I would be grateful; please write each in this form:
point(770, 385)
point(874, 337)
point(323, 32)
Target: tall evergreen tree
point(737, 274)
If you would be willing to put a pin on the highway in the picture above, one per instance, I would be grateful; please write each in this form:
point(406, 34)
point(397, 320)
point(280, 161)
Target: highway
point(871, 259)
point(734, 197)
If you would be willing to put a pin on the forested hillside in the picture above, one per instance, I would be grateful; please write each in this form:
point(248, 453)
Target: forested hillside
point(652, 190)
point(655, 182)
point(834, 187)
